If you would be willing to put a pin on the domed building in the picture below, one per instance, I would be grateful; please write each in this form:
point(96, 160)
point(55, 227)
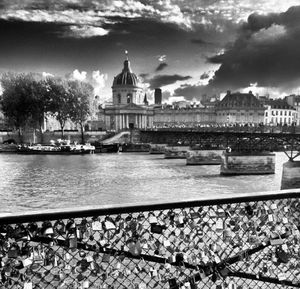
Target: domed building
point(126, 87)
point(129, 108)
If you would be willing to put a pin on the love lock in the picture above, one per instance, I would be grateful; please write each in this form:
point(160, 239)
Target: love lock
point(135, 248)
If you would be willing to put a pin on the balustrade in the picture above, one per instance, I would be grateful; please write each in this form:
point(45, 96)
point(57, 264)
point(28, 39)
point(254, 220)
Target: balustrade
point(234, 242)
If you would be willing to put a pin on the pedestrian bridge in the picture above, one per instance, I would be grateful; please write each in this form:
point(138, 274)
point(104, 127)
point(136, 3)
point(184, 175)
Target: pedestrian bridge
point(236, 241)
point(243, 139)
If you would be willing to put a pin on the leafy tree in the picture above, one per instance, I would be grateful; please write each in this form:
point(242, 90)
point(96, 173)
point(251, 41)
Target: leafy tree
point(60, 101)
point(81, 94)
point(41, 104)
point(18, 90)
point(27, 101)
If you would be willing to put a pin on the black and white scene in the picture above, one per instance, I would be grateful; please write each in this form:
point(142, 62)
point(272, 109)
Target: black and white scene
point(149, 144)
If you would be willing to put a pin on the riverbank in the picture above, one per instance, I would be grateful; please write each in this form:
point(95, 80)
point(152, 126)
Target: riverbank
point(48, 136)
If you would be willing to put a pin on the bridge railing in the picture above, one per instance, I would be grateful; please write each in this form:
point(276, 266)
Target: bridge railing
point(243, 129)
point(248, 241)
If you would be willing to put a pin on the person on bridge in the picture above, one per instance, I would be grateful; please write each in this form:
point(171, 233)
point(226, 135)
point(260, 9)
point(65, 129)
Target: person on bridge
point(228, 149)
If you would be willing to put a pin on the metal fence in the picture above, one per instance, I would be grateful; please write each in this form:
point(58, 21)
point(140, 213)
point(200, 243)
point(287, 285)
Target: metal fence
point(241, 242)
point(230, 128)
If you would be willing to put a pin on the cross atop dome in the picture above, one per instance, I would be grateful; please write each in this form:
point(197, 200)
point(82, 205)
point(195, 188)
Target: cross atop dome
point(126, 63)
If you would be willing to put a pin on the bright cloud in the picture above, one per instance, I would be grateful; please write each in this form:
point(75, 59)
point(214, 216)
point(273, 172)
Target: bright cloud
point(46, 74)
point(85, 31)
point(77, 75)
point(162, 58)
point(98, 83)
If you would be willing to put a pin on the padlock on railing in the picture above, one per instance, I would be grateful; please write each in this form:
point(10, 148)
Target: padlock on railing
point(134, 248)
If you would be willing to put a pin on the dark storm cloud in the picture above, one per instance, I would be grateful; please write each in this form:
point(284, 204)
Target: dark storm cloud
point(161, 66)
point(199, 41)
point(204, 75)
point(162, 80)
point(266, 51)
point(32, 46)
point(192, 91)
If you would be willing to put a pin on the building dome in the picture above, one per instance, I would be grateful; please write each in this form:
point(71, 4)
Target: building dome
point(126, 77)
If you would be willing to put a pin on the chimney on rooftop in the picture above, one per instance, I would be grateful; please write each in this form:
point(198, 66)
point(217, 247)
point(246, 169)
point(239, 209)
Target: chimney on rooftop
point(157, 96)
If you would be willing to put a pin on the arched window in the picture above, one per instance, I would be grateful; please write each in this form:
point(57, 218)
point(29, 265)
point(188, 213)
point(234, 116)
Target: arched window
point(129, 98)
point(119, 98)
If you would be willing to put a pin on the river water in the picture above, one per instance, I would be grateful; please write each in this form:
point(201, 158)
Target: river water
point(35, 182)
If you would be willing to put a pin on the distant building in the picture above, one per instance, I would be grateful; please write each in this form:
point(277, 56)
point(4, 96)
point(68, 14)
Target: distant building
point(239, 108)
point(294, 101)
point(279, 112)
point(129, 107)
point(188, 116)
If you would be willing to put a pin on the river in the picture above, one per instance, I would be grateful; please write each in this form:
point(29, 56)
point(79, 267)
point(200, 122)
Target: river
point(37, 182)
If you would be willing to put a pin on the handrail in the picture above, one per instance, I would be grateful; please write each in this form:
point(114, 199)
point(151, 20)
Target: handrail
point(245, 239)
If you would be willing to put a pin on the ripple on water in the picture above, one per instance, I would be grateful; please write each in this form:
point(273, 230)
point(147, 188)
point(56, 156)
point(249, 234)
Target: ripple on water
point(39, 182)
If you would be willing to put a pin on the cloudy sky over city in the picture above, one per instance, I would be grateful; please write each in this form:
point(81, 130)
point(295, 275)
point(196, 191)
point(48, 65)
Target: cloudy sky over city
point(186, 47)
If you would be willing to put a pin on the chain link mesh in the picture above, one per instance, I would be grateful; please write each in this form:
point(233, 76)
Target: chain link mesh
point(232, 245)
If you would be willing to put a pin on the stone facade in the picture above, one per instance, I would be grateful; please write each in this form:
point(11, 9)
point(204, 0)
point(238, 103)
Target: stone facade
point(239, 108)
point(129, 107)
point(294, 101)
point(279, 112)
point(187, 116)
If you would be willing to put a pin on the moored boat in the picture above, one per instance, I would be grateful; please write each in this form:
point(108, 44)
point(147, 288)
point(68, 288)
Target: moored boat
point(67, 149)
point(8, 148)
point(134, 147)
point(107, 148)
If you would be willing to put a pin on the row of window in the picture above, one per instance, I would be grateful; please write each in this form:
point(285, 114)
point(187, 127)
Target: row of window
point(281, 113)
point(280, 120)
point(239, 113)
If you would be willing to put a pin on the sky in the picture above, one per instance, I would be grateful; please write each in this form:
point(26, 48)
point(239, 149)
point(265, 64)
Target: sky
point(188, 48)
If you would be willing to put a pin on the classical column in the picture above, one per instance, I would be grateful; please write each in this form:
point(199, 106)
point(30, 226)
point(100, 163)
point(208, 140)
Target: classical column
point(136, 120)
point(116, 122)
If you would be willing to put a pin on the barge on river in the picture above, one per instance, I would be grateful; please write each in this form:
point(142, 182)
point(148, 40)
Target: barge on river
point(56, 150)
